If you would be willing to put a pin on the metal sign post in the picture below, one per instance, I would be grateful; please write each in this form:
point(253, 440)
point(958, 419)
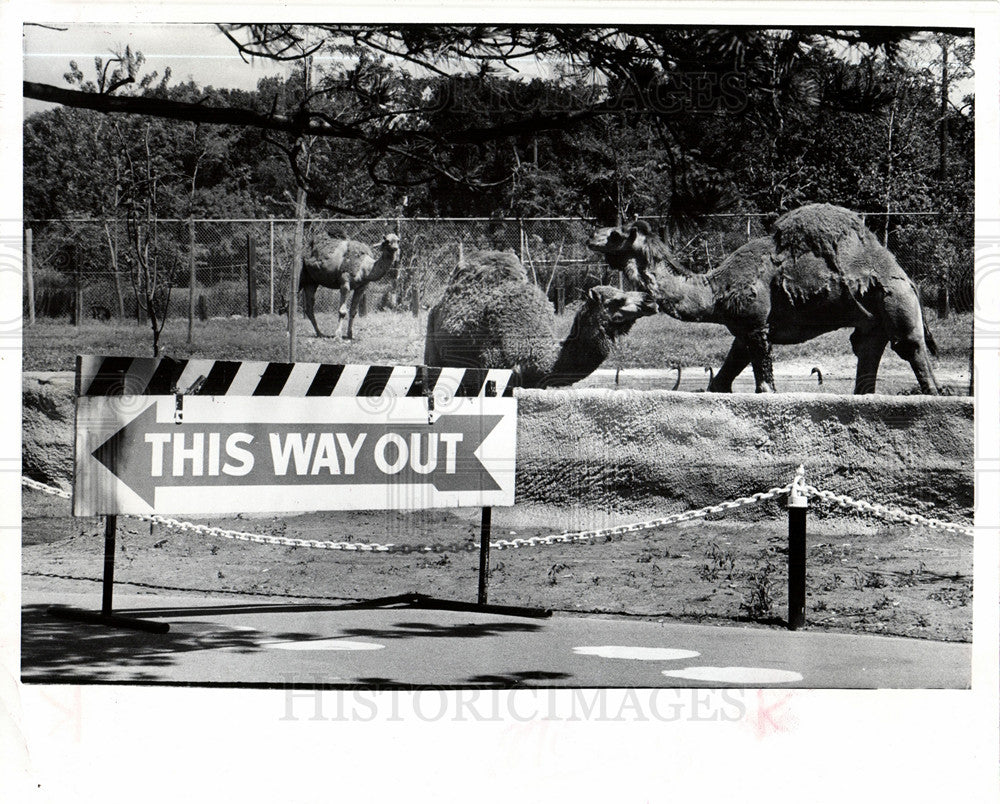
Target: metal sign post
point(106, 615)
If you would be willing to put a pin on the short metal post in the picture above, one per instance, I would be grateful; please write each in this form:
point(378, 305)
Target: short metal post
point(798, 504)
point(484, 555)
point(110, 524)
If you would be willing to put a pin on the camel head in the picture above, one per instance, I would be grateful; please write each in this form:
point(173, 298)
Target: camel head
point(611, 311)
point(607, 313)
point(612, 242)
point(389, 251)
point(632, 247)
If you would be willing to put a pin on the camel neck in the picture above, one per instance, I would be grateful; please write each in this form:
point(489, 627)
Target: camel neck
point(687, 298)
point(383, 265)
point(577, 358)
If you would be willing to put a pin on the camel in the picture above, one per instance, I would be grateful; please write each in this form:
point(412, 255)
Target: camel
point(820, 270)
point(491, 316)
point(347, 265)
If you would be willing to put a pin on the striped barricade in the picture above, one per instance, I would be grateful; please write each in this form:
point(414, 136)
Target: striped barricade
point(157, 435)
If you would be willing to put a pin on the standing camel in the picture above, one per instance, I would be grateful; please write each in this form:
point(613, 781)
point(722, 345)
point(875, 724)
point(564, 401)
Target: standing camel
point(820, 270)
point(491, 316)
point(348, 266)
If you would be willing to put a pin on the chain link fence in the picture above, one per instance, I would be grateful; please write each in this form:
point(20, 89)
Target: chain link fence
point(225, 268)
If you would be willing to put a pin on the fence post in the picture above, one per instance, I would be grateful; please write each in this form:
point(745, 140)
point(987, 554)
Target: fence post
point(271, 281)
point(191, 279)
point(29, 274)
point(251, 282)
point(78, 296)
point(798, 504)
point(748, 229)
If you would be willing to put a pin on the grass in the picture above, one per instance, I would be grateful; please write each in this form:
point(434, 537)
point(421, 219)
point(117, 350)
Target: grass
point(398, 338)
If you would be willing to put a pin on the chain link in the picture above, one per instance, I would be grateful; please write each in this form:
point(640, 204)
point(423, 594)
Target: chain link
point(567, 537)
point(469, 545)
point(887, 513)
point(34, 484)
point(609, 534)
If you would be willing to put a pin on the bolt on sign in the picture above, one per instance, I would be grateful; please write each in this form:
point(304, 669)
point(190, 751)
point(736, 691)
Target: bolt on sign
point(156, 435)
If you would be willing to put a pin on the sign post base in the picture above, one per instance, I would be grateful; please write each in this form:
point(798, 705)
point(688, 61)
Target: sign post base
point(417, 600)
point(106, 615)
point(109, 620)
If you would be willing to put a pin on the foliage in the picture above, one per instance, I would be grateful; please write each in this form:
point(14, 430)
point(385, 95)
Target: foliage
point(504, 121)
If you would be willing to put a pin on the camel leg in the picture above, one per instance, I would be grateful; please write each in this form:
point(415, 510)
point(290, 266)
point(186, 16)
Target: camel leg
point(914, 352)
point(308, 304)
point(355, 303)
point(344, 290)
point(868, 345)
point(759, 346)
point(906, 335)
point(737, 360)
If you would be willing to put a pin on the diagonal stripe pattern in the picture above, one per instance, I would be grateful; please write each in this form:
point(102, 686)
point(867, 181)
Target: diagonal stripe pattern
point(146, 376)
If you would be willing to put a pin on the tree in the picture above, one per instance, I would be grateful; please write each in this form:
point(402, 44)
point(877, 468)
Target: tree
point(756, 74)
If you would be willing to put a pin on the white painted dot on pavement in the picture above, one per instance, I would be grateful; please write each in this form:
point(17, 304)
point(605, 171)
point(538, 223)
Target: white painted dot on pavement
point(631, 652)
point(325, 644)
point(736, 675)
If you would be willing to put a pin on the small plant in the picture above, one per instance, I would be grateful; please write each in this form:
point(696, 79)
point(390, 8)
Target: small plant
point(554, 571)
point(757, 603)
point(910, 577)
point(870, 580)
point(953, 596)
point(721, 561)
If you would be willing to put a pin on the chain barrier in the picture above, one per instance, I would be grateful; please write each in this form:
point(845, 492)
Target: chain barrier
point(887, 513)
point(884, 512)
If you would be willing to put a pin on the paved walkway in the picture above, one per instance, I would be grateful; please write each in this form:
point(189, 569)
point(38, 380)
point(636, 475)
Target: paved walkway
point(242, 641)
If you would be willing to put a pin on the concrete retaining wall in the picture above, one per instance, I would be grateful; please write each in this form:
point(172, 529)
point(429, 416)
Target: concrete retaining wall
point(629, 451)
point(639, 450)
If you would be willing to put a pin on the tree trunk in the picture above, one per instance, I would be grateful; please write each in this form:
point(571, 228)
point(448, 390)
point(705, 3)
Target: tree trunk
point(29, 274)
point(943, 300)
point(113, 252)
point(293, 275)
point(943, 128)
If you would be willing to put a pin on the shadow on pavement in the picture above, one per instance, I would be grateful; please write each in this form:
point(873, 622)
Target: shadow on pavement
point(52, 648)
point(463, 631)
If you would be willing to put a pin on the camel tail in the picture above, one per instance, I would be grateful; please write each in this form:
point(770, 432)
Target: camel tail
point(928, 337)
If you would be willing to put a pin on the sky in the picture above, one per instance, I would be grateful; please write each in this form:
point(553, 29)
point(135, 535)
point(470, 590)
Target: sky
point(192, 51)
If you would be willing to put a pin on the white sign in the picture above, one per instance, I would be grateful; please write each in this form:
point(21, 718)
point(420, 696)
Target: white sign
point(227, 454)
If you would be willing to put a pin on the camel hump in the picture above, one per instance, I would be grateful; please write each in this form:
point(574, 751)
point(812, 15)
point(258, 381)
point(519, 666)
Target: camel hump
point(820, 229)
point(320, 242)
point(487, 269)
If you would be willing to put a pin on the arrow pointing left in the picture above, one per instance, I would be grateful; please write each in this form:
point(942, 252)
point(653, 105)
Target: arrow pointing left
point(148, 455)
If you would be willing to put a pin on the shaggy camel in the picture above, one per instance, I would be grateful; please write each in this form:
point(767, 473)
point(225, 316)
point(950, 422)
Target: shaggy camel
point(347, 265)
point(492, 317)
point(819, 271)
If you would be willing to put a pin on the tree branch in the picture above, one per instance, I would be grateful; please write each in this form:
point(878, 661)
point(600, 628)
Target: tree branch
point(193, 112)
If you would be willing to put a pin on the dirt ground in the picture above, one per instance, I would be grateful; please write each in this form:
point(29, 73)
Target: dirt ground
point(862, 576)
